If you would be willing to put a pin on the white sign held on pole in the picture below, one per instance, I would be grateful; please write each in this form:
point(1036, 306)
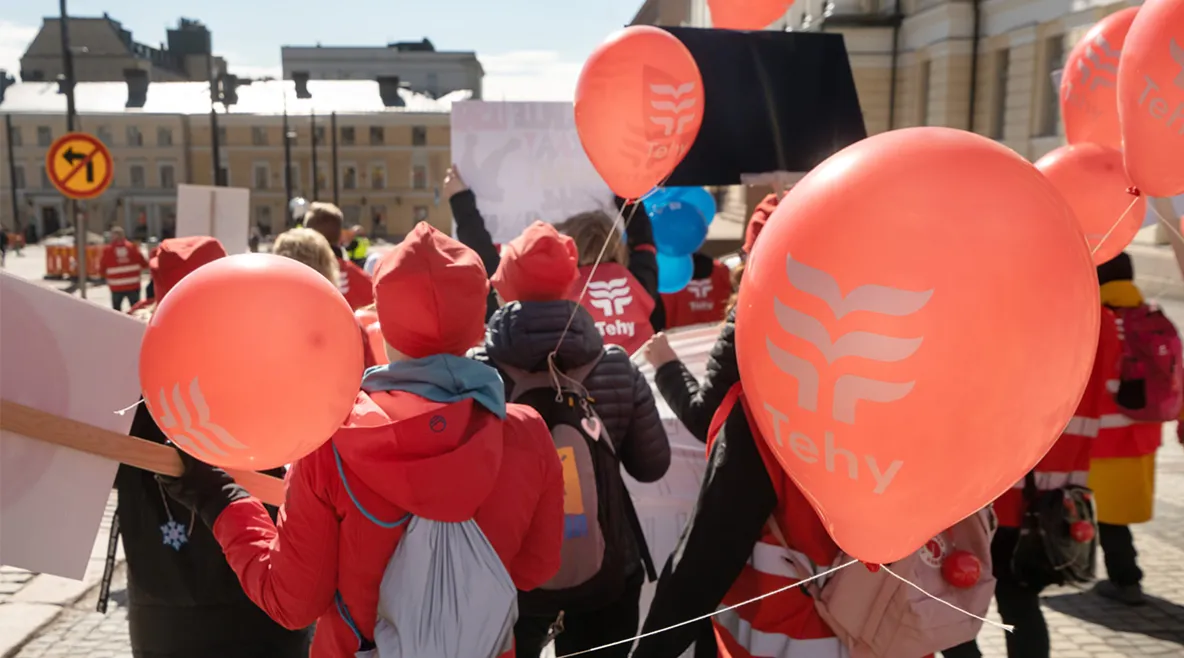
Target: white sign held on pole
point(220, 212)
point(524, 162)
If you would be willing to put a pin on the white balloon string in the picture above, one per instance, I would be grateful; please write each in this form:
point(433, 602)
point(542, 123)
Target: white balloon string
point(1166, 223)
point(1116, 223)
point(129, 407)
point(1007, 627)
point(720, 611)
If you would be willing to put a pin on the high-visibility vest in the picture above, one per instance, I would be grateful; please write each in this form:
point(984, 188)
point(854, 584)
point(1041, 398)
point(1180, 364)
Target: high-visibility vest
point(359, 252)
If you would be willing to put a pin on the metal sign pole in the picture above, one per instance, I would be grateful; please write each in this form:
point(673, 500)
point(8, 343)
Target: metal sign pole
point(77, 220)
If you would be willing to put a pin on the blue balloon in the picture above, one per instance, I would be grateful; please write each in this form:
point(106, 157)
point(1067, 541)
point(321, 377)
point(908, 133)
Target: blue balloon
point(698, 197)
point(679, 228)
point(674, 272)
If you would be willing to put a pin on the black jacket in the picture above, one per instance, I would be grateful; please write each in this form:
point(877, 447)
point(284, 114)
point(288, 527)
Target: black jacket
point(693, 403)
point(735, 501)
point(188, 602)
point(522, 334)
point(643, 260)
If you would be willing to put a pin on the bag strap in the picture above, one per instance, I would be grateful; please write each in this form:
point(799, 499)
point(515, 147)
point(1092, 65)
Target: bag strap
point(525, 381)
point(643, 546)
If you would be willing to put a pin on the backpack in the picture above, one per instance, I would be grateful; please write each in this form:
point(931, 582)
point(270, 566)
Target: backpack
point(877, 616)
point(602, 536)
point(1058, 542)
point(444, 593)
point(1151, 376)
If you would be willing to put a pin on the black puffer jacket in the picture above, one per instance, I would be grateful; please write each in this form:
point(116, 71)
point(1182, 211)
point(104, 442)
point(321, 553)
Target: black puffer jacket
point(522, 334)
point(695, 403)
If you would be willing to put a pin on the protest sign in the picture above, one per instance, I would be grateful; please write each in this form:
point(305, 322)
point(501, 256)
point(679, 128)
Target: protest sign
point(220, 212)
point(524, 163)
point(76, 360)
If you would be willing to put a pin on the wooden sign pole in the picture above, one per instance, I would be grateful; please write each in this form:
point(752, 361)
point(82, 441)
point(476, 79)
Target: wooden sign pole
point(149, 456)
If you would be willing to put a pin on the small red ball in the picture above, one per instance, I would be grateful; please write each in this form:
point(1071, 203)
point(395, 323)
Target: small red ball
point(1082, 531)
point(962, 569)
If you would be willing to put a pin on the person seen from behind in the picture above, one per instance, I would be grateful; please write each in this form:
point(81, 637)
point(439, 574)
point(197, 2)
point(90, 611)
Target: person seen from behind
point(184, 600)
point(311, 248)
point(387, 505)
point(527, 342)
point(1122, 473)
point(359, 246)
point(122, 265)
point(355, 285)
point(634, 260)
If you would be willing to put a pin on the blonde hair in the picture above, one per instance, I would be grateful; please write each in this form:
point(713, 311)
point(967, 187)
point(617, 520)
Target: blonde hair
point(591, 231)
point(309, 247)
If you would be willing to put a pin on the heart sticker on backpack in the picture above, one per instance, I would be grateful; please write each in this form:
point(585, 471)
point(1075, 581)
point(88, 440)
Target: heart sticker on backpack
point(592, 425)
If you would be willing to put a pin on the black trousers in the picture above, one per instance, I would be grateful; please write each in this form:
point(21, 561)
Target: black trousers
point(1019, 606)
point(585, 630)
point(1118, 551)
point(132, 297)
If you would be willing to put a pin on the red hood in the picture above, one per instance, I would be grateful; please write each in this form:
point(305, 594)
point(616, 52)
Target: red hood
point(438, 461)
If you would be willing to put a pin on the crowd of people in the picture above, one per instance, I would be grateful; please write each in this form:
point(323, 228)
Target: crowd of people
point(499, 389)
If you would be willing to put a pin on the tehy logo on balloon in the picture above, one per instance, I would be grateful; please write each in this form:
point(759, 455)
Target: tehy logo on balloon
point(1156, 103)
point(187, 423)
point(671, 107)
point(845, 390)
point(1099, 68)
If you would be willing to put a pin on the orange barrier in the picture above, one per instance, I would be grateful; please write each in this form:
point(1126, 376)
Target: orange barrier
point(56, 261)
point(61, 262)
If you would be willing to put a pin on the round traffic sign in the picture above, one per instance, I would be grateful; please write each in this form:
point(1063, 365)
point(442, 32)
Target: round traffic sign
point(79, 166)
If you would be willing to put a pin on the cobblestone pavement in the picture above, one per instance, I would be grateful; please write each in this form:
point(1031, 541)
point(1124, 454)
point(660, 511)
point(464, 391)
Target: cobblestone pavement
point(1082, 624)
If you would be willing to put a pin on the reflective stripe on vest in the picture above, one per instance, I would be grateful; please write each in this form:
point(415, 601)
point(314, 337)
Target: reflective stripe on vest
point(754, 643)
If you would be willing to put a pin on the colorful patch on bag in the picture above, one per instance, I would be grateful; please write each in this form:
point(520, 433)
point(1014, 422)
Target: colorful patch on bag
point(573, 498)
point(934, 551)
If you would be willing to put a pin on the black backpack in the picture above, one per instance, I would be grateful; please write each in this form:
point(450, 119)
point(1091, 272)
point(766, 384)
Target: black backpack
point(1048, 552)
point(602, 539)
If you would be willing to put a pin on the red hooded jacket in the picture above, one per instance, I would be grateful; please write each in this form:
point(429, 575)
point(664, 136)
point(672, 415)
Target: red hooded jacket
point(470, 465)
point(122, 264)
point(355, 285)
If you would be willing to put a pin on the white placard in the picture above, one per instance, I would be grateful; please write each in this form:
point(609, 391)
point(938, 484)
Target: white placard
point(220, 212)
point(524, 163)
point(74, 359)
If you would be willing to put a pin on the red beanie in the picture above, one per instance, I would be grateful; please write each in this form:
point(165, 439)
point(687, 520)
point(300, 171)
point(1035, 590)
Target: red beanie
point(537, 266)
point(760, 216)
point(430, 291)
point(176, 258)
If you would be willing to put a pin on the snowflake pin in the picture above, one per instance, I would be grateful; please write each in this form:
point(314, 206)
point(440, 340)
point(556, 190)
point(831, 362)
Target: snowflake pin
point(174, 534)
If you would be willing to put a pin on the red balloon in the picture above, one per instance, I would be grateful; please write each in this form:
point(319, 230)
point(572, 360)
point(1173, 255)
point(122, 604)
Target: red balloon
point(1089, 94)
point(962, 569)
point(880, 364)
point(1151, 98)
point(251, 362)
point(1094, 182)
point(746, 14)
point(639, 105)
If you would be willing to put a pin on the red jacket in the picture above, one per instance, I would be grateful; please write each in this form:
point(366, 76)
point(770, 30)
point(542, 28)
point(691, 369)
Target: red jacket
point(1068, 460)
point(702, 301)
point(618, 303)
point(122, 265)
point(355, 285)
point(505, 474)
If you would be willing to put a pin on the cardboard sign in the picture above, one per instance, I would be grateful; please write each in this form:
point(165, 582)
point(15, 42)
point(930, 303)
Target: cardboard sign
point(77, 360)
point(524, 163)
point(220, 212)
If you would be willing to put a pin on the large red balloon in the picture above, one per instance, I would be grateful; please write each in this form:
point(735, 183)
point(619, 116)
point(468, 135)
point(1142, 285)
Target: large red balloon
point(251, 362)
point(881, 333)
point(1089, 95)
point(639, 105)
point(1093, 181)
point(746, 14)
point(1151, 98)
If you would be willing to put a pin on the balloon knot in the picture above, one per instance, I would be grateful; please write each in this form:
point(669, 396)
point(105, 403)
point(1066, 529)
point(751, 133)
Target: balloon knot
point(1133, 191)
point(872, 567)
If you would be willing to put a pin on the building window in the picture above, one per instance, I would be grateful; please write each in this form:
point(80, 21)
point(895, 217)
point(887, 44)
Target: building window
point(258, 136)
point(14, 135)
point(419, 135)
point(164, 136)
point(19, 171)
point(349, 177)
point(45, 184)
point(223, 177)
point(137, 176)
point(134, 137)
point(104, 135)
point(377, 137)
point(1050, 106)
point(420, 214)
point(222, 134)
point(419, 177)
point(261, 176)
point(322, 181)
point(348, 136)
point(377, 176)
point(44, 136)
point(319, 135)
point(168, 177)
point(999, 99)
point(923, 98)
point(263, 219)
